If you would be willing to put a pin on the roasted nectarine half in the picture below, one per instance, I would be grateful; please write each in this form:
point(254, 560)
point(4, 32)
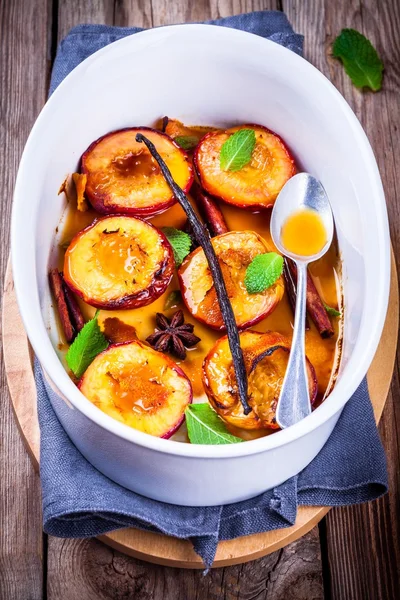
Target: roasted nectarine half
point(257, 184)
point(235, 251)
point(119, 262)
point(122, 176)
point(139, 387)
point(266, 356)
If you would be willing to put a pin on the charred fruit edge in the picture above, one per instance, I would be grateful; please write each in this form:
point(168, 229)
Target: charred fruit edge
point(251, 207)
point(243, 326)
point(174, 367)
point(281, 344)
point(147, 211)
point(132, 300)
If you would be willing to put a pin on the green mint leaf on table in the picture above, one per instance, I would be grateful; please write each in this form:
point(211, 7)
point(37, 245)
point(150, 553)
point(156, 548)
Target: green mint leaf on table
point(173, 300)
point(89, 342)
point(262, 272)
point(237, 150)
point(332, 311)
point(180, 242)
point(206, 427)
point(360, 59)
point(187, 142)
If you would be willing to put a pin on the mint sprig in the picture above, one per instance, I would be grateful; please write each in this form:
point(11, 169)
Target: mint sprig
point(173, 300)
point(180, 242)
point(237, 150)
point(187, 142)
point(263, 271)
point(206, 427)
point(89, 342)
point(360, 59)
point(332, 311)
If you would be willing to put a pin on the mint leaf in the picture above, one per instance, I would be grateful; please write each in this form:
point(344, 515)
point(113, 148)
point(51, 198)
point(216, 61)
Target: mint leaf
point(89, 342)
point(332, 311)
point(360, 59)
point(173, 300)
point(262, 272)
point(237, 150)
point(187, 142)
point(206, 427)
point(180, 242)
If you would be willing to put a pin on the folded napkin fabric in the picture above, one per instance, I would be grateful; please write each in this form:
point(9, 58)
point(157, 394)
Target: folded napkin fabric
point(78, 501)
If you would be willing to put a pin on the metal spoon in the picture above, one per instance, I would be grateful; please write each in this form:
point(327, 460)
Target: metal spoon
point(301, 191)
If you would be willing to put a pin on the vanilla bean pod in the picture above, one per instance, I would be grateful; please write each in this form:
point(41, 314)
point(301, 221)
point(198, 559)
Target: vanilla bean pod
point(202, 237)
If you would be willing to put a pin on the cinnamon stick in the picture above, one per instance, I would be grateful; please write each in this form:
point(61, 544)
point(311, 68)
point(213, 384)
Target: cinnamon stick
point(315, 306)
point(73, 308)
point(209, 211)
point(56, 284)
point(164, 124)
point(290, 288)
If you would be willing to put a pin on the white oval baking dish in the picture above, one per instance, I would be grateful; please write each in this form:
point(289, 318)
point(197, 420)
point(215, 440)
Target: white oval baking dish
point(210, 75)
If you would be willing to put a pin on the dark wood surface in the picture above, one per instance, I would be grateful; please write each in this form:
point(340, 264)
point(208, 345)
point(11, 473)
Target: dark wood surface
point(355, 552)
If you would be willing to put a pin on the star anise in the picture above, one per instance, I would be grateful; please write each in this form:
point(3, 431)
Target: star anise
point(173, 335)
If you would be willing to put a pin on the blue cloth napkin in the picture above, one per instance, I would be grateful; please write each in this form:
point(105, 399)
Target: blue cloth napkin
point(78, 501)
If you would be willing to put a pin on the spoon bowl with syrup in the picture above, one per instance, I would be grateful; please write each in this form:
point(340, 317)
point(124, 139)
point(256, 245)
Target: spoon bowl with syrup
point(302, 230)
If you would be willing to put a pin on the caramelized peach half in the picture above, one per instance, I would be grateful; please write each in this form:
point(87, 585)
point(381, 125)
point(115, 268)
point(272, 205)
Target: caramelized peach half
point(257, 184)
point(138, 386)
point(235, 251)
point(119, 262)
point(266, 356)
point(123, 177)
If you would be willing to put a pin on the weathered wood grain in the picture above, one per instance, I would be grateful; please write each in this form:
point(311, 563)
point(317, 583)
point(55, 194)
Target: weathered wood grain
point(23, 79)
point(129, 13)
point(167, 13)
point(88, 570)
point(75, 12)
point(226, 8)
point(363, 542)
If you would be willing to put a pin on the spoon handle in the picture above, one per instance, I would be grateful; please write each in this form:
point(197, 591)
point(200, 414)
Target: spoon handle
point(294, 400)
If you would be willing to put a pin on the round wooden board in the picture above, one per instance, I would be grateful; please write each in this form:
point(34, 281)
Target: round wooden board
point(154, 547)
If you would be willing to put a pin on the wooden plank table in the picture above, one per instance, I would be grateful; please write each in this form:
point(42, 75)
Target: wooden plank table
point(354, 554)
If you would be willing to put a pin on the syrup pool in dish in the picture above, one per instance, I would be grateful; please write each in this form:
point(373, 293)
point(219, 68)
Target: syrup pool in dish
point(197, 353)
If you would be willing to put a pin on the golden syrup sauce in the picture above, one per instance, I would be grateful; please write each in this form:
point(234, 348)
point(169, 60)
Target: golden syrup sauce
point(303, 233)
